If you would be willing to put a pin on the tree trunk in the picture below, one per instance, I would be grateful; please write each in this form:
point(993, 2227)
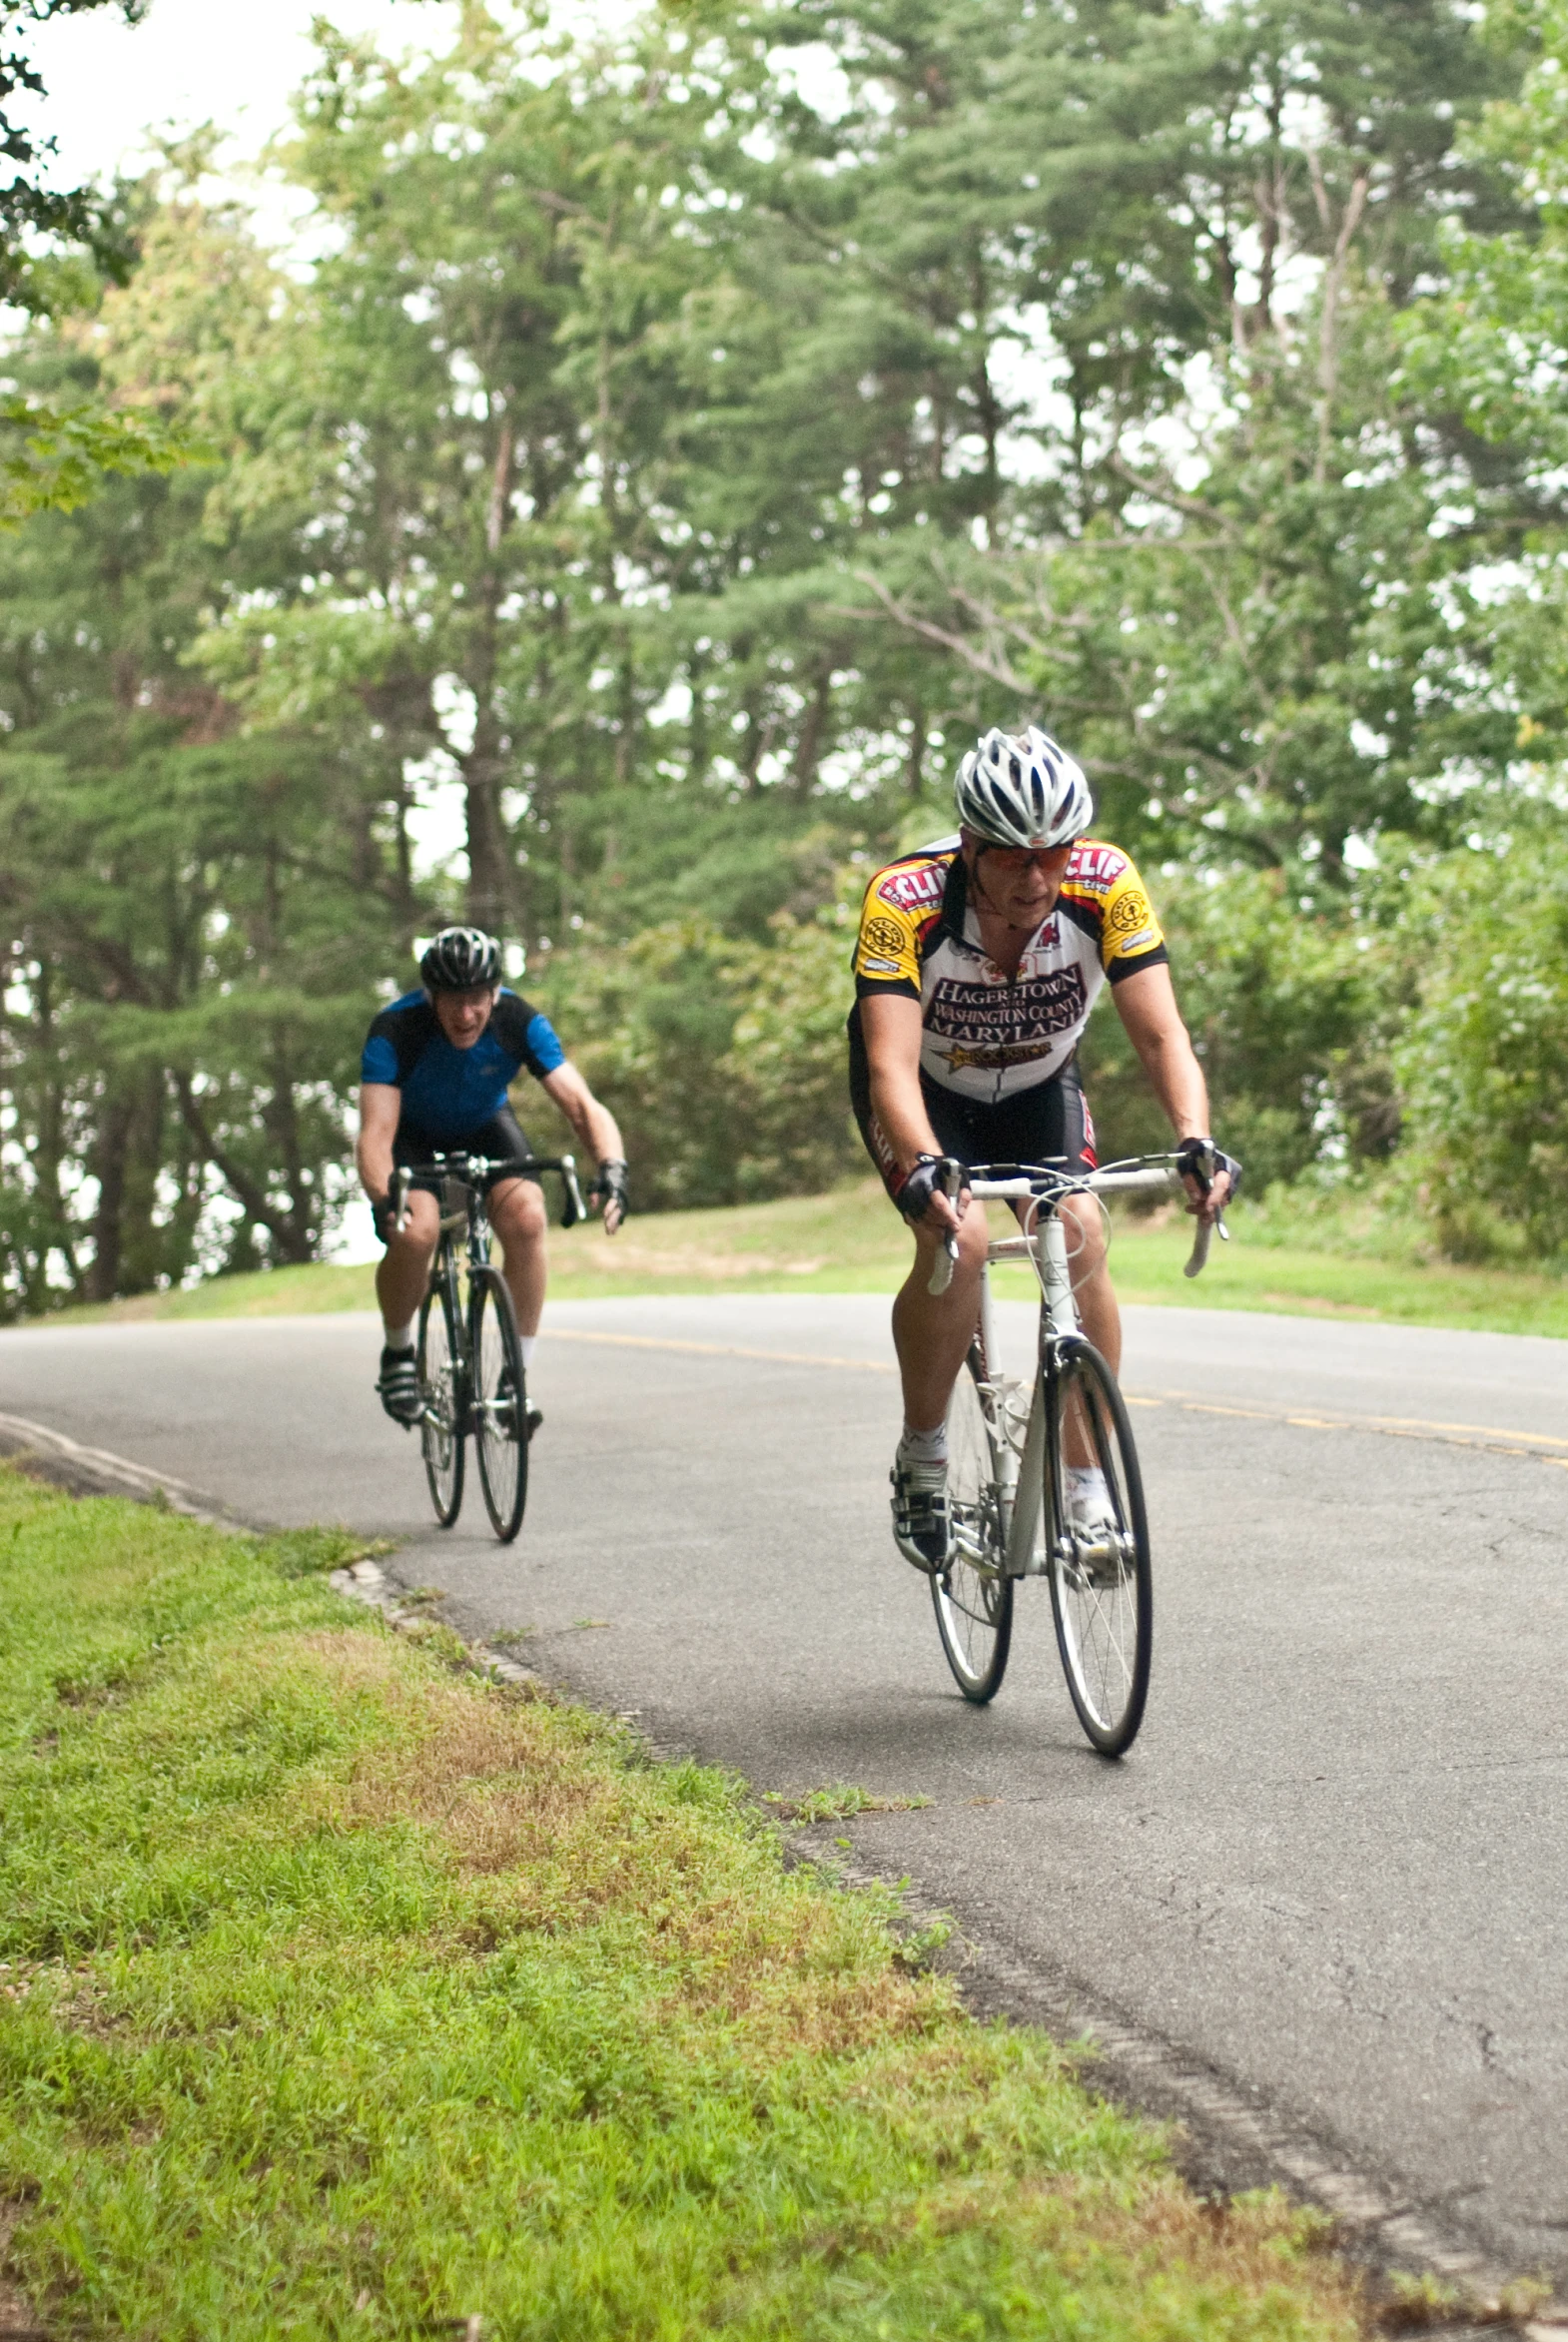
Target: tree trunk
point(251, 1198)
point(492, 892)
point(142, 1243)
point(115, 1116)
point(808, 749)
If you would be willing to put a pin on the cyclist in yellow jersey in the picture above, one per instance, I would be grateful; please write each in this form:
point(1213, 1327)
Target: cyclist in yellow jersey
point(975, 966)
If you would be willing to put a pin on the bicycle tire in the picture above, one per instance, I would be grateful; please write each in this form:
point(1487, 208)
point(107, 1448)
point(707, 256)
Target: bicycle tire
point(442, 1384)
point(501, 1402)
point(1102, 1588)
point(973, 1599)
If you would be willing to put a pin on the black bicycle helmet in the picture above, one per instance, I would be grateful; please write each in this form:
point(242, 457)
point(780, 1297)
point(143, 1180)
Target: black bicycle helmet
point(459, 958)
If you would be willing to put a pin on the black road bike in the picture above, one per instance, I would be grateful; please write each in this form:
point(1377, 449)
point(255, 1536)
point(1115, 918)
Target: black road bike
point(470, 1359)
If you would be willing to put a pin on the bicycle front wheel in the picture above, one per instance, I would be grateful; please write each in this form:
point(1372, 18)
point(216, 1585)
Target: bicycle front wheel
point(1101, 1592)
point(971, 1598)
point(500, 1403)
point(441, 1381)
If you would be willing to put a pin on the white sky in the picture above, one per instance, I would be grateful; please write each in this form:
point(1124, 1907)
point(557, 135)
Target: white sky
point(194, 60)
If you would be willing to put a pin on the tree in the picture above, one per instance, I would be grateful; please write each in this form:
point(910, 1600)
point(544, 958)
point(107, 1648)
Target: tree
point(28, 209)
point(195, 912)
point(1214, 623)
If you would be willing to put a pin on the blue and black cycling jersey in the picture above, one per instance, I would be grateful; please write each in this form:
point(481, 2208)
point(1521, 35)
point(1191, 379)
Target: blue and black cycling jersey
point(449, 1094)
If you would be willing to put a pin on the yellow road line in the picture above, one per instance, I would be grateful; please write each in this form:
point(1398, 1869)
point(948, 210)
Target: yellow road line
point(1409, 1426)
point(1496, 1440)
point(1486, 1431)
point(719, 1349)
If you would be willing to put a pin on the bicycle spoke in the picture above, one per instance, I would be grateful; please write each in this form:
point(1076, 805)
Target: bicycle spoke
point(500, 1409)
point(973, 1600)
point(1099, 1577)
point(441, 1385)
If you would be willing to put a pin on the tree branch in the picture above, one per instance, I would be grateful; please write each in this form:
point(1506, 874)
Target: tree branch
point(980, 662)
point(249, 1195)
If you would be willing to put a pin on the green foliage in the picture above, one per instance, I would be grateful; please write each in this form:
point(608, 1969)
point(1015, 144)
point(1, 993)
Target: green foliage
point(51, 458)
point(726, 1059)
point(1484, 1059)
point(1287, 1012)
point(661, 476)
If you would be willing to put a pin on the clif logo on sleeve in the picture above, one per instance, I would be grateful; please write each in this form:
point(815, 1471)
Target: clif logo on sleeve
point(913, 887)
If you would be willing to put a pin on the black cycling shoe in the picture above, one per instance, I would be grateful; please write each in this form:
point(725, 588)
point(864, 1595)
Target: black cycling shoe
point(920, 1514)
point(398, 1385)
point(534, 1416)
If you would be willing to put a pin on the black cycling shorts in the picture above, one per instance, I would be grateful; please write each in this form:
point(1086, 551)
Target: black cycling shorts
point(1049, 1124)
point(502, 1136)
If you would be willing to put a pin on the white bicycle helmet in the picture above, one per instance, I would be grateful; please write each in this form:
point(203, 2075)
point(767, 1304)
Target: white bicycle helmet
point(1022, 789)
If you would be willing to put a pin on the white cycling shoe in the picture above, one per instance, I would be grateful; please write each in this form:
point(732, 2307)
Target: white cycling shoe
point(920, 1523)
point(1090, 1503)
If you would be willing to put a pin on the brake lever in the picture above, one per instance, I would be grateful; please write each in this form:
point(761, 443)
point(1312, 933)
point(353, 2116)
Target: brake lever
point(1202, 1236)
point(402, 1183)
point(572, 1207)
point(950, 1179)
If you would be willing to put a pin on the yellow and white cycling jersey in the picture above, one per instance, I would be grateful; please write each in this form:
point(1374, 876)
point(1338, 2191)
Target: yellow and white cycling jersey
point(989, 1036)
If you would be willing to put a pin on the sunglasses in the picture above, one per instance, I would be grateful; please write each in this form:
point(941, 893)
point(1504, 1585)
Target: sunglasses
point(1048, 859)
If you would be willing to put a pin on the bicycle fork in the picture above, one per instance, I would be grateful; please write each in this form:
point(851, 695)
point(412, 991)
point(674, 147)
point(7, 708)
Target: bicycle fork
point(1040, 1536)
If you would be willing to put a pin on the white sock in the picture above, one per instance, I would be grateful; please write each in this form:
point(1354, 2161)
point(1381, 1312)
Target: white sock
point(525, 1342)
point(923, 1447)
point(397, 1337)
point(1086, 1483)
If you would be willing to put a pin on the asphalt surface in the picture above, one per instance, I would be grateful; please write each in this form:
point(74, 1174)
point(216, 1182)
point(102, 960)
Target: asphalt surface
point(1332, 1869)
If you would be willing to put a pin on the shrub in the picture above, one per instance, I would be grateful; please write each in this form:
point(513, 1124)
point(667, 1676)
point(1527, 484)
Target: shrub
point(1484, 1059)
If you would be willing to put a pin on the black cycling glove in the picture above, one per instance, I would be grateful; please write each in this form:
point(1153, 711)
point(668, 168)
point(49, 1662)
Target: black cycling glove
point(913, 1197)
point(610, 1186)
point(1201, 1159)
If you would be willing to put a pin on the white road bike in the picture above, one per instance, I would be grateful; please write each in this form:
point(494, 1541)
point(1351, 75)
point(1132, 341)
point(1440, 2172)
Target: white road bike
point(1009, 1448)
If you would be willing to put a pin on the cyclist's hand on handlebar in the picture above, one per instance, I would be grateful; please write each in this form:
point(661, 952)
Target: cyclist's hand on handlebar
point(383, 1211)
point(923, 1201)
point(611, 1188)
point(1212, 1178)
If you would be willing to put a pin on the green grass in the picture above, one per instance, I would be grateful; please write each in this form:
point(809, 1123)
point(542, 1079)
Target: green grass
point(349, 1997)
point(1288, 1254)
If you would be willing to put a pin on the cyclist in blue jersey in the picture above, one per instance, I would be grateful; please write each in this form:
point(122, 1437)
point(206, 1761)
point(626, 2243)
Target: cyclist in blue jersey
point(435, 1075)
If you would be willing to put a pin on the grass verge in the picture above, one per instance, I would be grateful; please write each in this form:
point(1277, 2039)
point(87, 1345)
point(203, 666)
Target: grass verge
point(348, 1997)
point(1347, 1263)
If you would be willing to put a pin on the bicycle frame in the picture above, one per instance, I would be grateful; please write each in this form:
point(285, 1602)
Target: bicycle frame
point(478, 1174)
point(1045, 1247)
point(475, 1174)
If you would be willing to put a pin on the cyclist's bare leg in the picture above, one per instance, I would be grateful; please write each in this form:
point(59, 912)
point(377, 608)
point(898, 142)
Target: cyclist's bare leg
point(1092, 1289)
point(931, 1331)
point(404, 1271)
point(516, 1211)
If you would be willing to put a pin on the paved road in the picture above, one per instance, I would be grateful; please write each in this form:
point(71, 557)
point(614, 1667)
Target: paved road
point(1334, 1866)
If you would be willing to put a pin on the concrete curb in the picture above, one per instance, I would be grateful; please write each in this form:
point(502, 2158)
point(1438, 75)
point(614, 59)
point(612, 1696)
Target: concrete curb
point(94, 1472)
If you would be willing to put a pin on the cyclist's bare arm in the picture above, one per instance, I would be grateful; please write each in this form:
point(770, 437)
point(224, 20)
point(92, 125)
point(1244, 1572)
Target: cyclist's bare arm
point(1147, 1005)
point(891, 1025)
point(380, 1106)
point(594, 1125)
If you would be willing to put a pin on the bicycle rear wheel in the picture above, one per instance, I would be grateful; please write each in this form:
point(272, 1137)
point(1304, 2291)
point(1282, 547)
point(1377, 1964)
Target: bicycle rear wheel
point(1101, 1592)
point(972, 1599)
point(441, 1380)
point(501, 1402)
